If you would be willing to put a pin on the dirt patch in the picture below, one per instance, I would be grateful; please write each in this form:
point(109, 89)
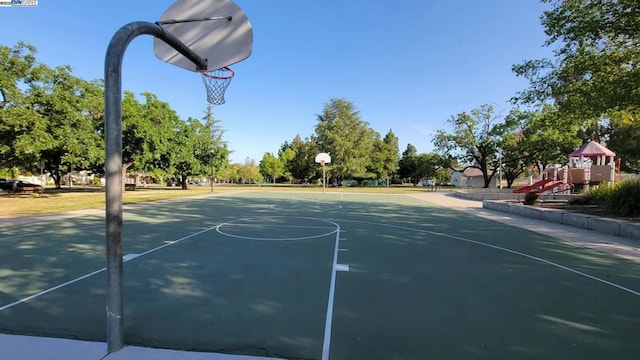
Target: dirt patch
point(586, 209)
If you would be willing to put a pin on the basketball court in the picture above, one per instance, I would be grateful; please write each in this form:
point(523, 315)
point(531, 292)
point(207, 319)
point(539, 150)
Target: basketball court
point(301, 275)
point(319, 276)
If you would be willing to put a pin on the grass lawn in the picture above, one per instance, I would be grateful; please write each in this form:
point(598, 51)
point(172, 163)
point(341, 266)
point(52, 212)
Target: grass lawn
point(79, 198)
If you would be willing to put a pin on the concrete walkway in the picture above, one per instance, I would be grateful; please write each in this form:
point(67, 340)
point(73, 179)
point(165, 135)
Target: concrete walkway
point(26, 347)
point(40, 348)
point(614, 245)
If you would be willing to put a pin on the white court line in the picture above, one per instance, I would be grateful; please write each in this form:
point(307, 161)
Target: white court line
point(342, 267)
point(326, 345)
point(278, 226)
point(578, 272)
point(126, 258)
point(23, 300)
point(245, 223)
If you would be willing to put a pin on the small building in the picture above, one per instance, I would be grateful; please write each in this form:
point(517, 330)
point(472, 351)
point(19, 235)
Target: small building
point(470, 177)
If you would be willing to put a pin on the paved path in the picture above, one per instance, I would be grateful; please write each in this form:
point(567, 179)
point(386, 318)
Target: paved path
point(615, 245)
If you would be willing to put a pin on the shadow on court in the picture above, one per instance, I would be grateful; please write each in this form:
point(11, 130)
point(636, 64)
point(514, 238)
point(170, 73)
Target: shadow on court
point(252, 273)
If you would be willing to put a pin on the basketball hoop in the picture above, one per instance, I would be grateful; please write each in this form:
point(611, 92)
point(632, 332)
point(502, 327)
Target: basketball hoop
point(216, 83)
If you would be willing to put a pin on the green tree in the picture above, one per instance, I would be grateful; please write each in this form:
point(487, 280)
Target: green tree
point(230, 173)
point(594, 74)
point(285, 155)
point(249, 172)
point(64, 100)
point(408, 167)
point(23, 130)
point(475, 140)
point(596, 64)
point(147, 131)
point(190, 150)
point(214, 150)
point(271, 167)
point(549, 136)
point(415, 167)
point(385, 157)
point(302, 165)
point(347, 138)
point(625, 138)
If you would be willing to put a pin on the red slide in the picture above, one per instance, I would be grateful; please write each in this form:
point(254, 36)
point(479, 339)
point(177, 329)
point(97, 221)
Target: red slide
point(547, 188)
point(534, 186)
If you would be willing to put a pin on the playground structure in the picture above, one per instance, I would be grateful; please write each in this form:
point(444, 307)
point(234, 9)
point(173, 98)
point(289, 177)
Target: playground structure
point(590, 164)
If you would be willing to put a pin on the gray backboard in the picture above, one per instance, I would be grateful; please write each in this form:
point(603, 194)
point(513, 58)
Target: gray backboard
point(204, 27)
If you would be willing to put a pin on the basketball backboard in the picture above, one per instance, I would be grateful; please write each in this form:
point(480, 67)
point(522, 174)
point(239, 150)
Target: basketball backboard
point(323, 158)
point(216, 30)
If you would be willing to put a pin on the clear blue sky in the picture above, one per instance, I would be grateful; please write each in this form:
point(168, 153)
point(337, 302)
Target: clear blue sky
point(407, 65)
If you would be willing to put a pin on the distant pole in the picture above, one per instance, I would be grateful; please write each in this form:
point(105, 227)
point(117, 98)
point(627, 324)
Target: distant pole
point(324, 178)
point(500, 169)
point(211, 178)
point(322, 159)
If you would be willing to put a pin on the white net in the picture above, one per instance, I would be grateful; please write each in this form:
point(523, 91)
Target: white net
point(216, 83)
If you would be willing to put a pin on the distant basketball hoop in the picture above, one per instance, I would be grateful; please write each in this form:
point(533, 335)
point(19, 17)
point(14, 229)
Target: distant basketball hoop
point(216, 83)
point(322, 159)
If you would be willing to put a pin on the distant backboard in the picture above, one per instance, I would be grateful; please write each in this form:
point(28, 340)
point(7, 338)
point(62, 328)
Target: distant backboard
point(323, 158)
point(217, 30)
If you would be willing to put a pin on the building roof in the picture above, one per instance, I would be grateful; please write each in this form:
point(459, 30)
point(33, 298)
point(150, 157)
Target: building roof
point(470, 172)
point(590, 149)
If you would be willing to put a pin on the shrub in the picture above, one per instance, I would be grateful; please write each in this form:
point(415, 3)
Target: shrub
point(599, 194)
point(625, 198)
point(620, 199)
point(530, 198)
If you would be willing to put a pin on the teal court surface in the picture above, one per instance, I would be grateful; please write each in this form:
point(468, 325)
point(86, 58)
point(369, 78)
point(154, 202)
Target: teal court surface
point(323, 276)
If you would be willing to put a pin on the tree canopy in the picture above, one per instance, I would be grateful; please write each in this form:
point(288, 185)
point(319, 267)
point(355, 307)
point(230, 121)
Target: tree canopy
point(347, 138)
point(594, 77)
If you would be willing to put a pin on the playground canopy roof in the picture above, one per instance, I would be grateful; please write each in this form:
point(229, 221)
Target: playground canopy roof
point(590, 149)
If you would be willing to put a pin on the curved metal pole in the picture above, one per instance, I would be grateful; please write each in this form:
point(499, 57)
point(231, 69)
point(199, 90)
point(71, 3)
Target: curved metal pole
point(113, 164)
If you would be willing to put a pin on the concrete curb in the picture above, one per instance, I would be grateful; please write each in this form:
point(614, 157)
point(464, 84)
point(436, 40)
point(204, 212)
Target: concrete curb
point(616, 227)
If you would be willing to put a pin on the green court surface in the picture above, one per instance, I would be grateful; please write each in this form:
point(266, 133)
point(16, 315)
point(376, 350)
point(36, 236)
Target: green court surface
point(323, 276)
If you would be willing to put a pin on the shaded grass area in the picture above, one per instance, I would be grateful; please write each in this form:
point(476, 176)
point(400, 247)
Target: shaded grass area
point(81, 198)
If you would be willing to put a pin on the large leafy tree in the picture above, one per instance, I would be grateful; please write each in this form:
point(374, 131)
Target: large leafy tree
point(625, 137)
point(347, 138)
point(302, 164)
point(23, 131)
point(385, 157)
point(213, 149)
point(596, 66)
point(271, 167)
point(147, 134)
point(249, 172)
point(415, 167)
point(595, 73)
point(475, 140)
point(409, 166)
point(54, 121)
point(63, 101)
point(190, 153)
